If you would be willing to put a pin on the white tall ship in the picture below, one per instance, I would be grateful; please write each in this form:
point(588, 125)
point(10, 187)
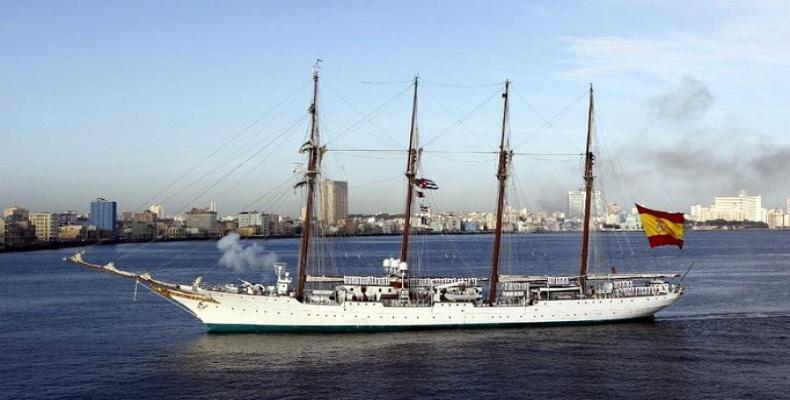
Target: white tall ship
point(396, 300)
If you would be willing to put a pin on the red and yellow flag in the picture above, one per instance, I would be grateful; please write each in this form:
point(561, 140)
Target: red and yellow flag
point(662, 228)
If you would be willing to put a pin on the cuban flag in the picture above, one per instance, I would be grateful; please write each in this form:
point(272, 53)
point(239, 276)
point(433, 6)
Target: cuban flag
point(425, 183)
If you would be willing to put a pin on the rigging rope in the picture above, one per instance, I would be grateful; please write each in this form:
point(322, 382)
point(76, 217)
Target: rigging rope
point(549, 122)
point(463, 86)
point(370, 114)
point(446, 109)
point(221, 147)
point(465, 116)
point(373, 124)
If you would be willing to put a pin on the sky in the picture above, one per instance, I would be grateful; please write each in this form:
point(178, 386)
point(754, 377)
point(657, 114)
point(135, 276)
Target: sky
point(181, 103)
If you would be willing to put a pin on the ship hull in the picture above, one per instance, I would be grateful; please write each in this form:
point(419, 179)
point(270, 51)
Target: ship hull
point(236, 328)
point(271, 314)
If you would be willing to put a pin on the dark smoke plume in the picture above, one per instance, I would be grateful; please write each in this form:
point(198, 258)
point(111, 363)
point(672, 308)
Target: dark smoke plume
point(690, 101)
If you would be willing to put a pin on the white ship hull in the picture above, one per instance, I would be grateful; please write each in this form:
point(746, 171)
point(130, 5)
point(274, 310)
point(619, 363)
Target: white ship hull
point(234, 311)
point(240, 312)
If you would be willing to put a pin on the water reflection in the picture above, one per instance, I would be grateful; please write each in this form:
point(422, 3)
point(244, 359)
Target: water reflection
point(511, 362)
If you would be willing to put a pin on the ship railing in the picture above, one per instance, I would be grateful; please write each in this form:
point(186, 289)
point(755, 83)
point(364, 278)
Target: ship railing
point(401, 303)
point(642, 291)
point(427, 282)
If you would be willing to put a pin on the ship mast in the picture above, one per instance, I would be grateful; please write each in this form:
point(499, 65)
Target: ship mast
point(411, 172)
point(502, 172)
point(313, 166)
point(588, 191)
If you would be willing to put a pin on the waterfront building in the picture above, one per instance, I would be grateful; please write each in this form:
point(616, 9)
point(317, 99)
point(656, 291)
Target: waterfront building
point(632, 222)
point(248, 231)
point(775, 218)
point(228, 226)
point(16, 213)
point(70, 233)
point(737, 208)
point(104, 214)
point(68, 218)
point(146, 217)
point(614, 213)
point(46, 224)
point(742, 207)
point(260, 221)
point(699, 213)
point(175, 232)
point(141, 231)
point(127, 216)
point(334, 202)
point(201, 221)
point(18, 233)
point(576, 204)
point(250, 218)
point(158, 210)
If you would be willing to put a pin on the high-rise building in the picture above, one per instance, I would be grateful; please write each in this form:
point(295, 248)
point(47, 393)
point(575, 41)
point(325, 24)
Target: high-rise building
point(334, 202)
point(212, 206)
point(576, 204)
point(104, 214)
point(158, 210)
point(788, 206)
point(202, 221)
point(46, 224)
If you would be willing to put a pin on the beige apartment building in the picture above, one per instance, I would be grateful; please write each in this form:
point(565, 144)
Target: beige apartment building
point(334, 202)
point(46, 224)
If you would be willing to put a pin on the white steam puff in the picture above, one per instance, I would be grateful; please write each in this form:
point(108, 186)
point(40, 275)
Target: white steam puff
point(241, 258)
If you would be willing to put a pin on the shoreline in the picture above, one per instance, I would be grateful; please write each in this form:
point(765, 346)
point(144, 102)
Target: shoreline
point(66, 245)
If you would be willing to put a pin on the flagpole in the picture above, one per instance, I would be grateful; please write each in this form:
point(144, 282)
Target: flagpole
point(588, 190)
point(411, 172)
point(504, 155)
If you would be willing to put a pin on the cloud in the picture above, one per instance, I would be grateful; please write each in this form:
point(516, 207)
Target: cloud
point(745, 45)
point(691, 100)
point(616, 55)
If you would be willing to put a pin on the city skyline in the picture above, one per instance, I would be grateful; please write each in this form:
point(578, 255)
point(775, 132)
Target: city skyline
point(22, 229)
point(743, 206)
point(134, 106)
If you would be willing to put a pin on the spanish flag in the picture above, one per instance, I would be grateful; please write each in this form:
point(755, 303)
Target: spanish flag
point(662, 228)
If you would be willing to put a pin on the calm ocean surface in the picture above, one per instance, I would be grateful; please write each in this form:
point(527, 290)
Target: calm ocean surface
point(70, 333)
